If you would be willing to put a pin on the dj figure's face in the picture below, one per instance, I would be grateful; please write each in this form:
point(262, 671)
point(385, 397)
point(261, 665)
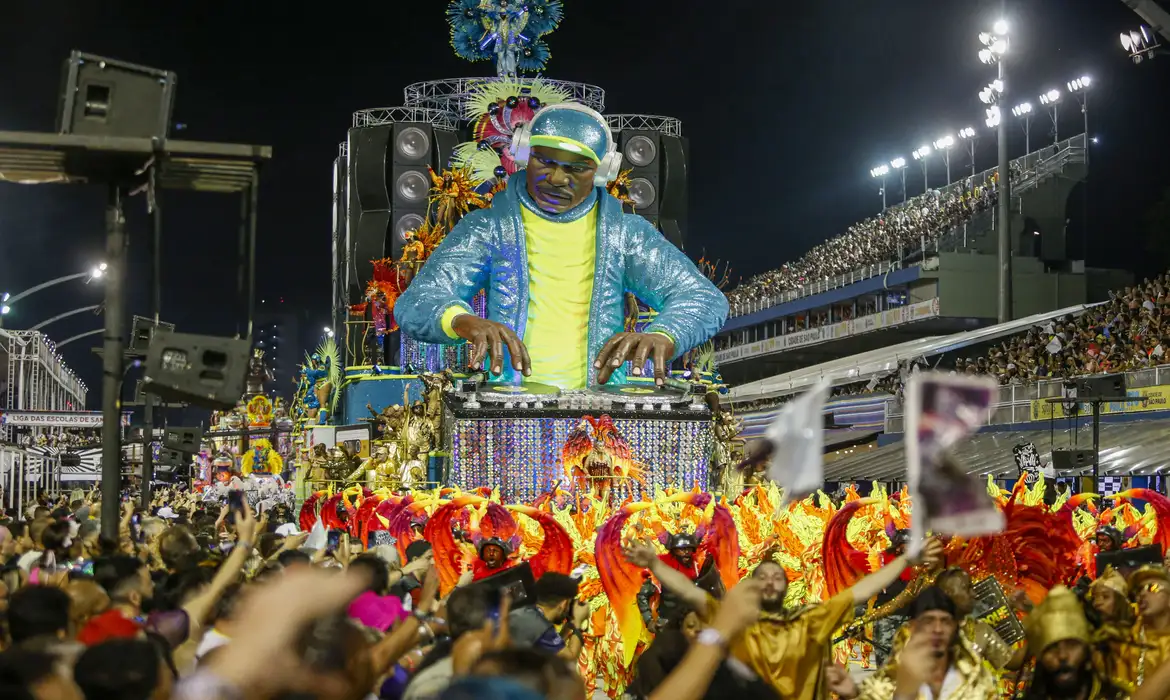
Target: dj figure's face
point(559, 180)
point(493, 556)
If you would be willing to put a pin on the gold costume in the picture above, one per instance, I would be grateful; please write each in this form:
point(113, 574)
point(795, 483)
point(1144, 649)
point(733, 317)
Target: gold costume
point(975, 680)
point(982, 637)
point(789, 650)
point(1134, 656)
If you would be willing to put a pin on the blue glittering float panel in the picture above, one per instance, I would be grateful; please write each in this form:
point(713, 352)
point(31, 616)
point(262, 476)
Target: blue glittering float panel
point(379, 391)
point(522, 456)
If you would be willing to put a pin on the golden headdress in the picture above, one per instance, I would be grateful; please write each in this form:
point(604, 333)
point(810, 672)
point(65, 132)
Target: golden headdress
point(1111, 580)
point(1058, 618)
point(1149, 573)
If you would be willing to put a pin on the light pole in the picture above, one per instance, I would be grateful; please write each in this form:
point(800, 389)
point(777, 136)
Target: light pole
point(922, 155)
point(899, 164)
point(1080, 89)
point(1051, 100)
point(9, 300)
point(971, 138)
point(994, 51)
point(1024, 112)
point(67, 314)
point(944, 146)
point(881, 172)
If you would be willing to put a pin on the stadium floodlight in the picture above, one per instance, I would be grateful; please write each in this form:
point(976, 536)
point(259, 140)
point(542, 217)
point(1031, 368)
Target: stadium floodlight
point(4, 309)
point(944, 143)
point(967, 132)
point(993, 116)
point(985, 56)
point(1000, 27)
point(898, 163)
point(1021, 110)
point(1140, 43)
point(1081, 83)
point(879, 171)
point(920, 153)
point(1050, 97)
point(328, 332)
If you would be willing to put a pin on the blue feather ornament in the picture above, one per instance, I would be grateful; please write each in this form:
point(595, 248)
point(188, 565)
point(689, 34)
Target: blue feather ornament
point(466, 44)
point(543, 16)
point(533, 56)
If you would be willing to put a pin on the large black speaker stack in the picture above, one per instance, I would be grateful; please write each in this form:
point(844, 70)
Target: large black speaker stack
point(658, 179)
point(387, 185)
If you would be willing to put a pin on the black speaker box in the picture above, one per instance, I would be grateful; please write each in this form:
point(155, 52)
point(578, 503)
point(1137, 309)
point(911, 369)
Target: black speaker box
point(104, 97)
point(202, 370)
point(186, 440)
point(642, 156)
point(141, 330)
point(1072, 460)
point(672, 202)
point(1110, 386)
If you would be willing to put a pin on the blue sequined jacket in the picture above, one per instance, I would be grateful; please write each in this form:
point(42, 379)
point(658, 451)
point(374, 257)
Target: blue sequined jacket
point(487, 250)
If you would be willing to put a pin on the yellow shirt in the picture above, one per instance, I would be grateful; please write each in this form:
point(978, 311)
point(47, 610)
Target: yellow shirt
point(561, 259)
point(789, 651)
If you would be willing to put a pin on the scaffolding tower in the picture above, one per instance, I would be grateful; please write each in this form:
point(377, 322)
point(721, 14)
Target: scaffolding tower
point(35, 378)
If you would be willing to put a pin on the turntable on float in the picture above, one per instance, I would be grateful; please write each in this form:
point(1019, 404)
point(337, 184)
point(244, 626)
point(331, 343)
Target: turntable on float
point(494, 398)
point(510, 435)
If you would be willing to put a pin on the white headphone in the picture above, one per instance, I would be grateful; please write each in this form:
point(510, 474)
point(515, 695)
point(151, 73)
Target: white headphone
point(611, 163)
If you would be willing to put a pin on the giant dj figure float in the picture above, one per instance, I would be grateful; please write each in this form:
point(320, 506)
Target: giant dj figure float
point(557, 255)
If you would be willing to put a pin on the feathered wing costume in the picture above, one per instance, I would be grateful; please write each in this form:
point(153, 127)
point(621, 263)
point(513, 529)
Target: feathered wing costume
point(488, 520)
point(1036, 550)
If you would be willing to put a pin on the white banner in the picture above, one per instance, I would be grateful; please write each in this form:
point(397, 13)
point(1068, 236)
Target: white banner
point(884, 319)
point(57, 419)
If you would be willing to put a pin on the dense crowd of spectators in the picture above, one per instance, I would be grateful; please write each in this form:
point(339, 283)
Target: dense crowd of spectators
point(896, 231)
point(1129, 332)
point(199, 602)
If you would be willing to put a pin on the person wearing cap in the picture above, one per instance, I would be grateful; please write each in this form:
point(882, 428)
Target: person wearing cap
point(557, 256)
point(679, 556)
point(1060, 636)
point(937, 663)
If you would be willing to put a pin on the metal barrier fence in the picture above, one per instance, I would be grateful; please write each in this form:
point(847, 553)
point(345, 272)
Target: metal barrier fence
point(1014, 403)
point(23, 474)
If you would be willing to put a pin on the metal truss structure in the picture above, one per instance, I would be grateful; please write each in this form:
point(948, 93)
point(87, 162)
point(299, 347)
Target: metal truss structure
point(36, 377)
point(451, 94)
point(645, 122)
point(438, 118)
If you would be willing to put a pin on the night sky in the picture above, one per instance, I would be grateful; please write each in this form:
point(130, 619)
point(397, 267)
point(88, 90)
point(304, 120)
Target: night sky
point(786, 108)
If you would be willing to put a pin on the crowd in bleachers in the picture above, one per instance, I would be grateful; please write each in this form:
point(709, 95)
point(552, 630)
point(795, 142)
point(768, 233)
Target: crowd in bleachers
point(896, 231)
point(1129, 332)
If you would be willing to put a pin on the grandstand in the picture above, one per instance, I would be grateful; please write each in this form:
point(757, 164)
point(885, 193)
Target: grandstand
point(1032, 358)
point(921, 269)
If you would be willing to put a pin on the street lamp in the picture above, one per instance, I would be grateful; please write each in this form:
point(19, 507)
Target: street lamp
point(1140, 44)
point(971, 138)
point(994, 51)
point(1079, 88)
point(94, 273)
point(944, 146)
point(899, 164)
point(920, 154)
point(1051, 100)
point(1024, 111)
point(880, 172)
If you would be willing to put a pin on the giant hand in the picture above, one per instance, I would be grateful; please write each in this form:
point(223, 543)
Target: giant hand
point(487, 339)
point(639, 347)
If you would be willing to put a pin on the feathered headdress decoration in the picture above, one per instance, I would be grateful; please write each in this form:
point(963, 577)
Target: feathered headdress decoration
point(497, 108)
